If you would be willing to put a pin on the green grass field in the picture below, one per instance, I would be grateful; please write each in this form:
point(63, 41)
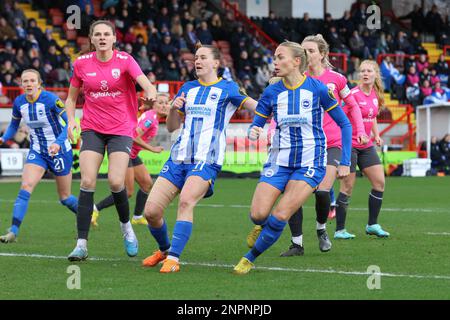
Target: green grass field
point(414, 261)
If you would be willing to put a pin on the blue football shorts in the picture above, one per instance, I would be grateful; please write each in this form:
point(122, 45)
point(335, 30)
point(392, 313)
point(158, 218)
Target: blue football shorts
point(178, 172)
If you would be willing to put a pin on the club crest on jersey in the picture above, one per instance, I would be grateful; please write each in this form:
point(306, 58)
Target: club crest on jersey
point(115, 73)
point(306, 104)
point(375, 102)
point(214, 96)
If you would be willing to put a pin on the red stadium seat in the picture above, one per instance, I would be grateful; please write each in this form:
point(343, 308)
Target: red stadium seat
point(71, 34)
point(82, 41)
point(58, 20)
point(223, 44)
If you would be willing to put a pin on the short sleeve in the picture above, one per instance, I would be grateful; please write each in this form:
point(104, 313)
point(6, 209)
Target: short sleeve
point(16, 111)
point(327, 99)
point(133, 68)
point(264, 107)
point(75, 80)
point(237, 95)
point(343, 88)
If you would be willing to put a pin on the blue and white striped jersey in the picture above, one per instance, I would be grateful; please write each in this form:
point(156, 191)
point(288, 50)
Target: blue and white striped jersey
point(208, 110)
point(299, 139)
point(43, 118)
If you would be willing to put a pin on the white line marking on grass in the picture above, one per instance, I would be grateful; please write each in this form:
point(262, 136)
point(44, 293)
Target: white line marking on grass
point(438, 233)
point(244, 206)
point(230, 266)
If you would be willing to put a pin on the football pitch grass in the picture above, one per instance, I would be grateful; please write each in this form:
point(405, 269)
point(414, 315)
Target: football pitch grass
point(414, 262)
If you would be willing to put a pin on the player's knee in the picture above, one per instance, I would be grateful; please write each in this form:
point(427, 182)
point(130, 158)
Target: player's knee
point(88, 183)
point(27, 186)
point(153, 213)
point(379, 185)
point(116, 185)
point(282, 214)
point(186, 202)
point(256, 214)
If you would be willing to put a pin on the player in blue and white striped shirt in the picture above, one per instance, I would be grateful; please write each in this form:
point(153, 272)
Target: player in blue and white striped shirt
point(49, 148)
point(297, 157)
point(206, 105)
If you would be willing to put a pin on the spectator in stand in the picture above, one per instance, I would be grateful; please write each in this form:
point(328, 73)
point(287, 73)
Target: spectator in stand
point(337, 42)
point(360, 17)
point(444, 145)
point(422, 63)
point(203, 34)
point(357, 45)
point(417, 18)
point(137, 12)
point(139, 29)
point(370, 45)
point(34, 29)
point(190, 37)
point(166, 47)
point(306, 26)
point(52, 57)
point(412, 86)
point(195, 9)
point(63, 74)
point(442, 69)
point(184, 75)
point(14, 12)
point(416, 44)
point(6, 31)
point(7, 68)
point(139, 44)
point(8, 80)
point(402, 45)
point(244, 66)
point(250, 89)
point(382, 45)
point(410, 62)
point(434, 78)
point(172, 73)
point(163, 19)
point(425, 90)
point(425, 75)
point(217, 29)
point(20, 30)
point(143, 60)
point(46, 42)
point(272, 27)
point(345, 25)
point(436, 156)
point(239, 35)
point(434, 22)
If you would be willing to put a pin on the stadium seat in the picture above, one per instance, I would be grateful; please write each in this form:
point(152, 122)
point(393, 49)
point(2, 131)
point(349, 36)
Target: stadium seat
point(187, 56)
point(223, 44)
point(71, 34)
point(82, 41)
point(58, 20)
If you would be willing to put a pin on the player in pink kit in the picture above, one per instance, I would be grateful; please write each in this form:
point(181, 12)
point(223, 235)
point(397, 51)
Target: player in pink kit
point(146, 130)
point(369, 95)
point(320, 68)
point(107, 78)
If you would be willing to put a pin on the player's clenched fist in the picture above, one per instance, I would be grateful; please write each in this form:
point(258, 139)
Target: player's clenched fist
point(179, 101)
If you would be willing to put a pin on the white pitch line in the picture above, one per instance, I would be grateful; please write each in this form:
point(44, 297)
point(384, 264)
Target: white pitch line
point(438, 233)
point(230, 266)
point(210, 205)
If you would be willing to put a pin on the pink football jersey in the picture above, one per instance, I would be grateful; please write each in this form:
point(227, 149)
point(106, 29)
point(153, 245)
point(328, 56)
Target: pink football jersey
point(111, 104)
point(369, 111)
point(148, 123)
